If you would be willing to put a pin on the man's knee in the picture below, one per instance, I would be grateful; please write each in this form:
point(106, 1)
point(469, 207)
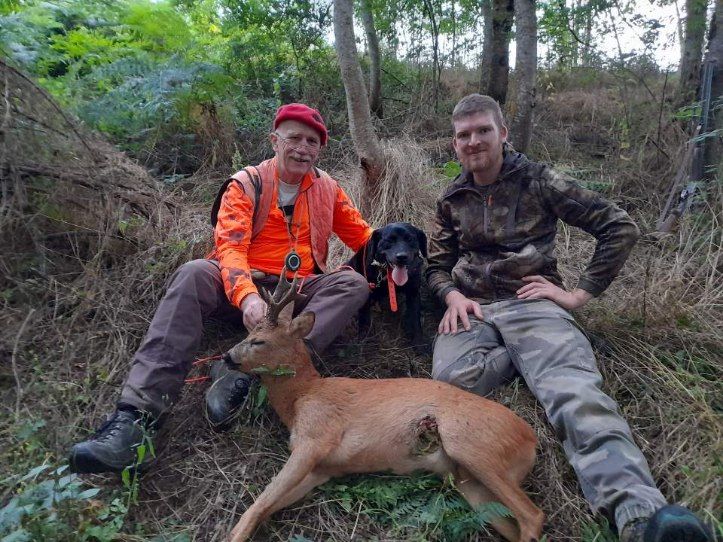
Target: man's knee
point(454, 363)
point(196, 285)
point(478, 370)
point(355, 286)
point(201, 272)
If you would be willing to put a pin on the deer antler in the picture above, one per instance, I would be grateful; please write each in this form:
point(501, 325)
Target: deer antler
point(284, 294)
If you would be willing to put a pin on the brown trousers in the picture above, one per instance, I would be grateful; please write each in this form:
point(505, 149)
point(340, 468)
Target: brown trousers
point(195, 294)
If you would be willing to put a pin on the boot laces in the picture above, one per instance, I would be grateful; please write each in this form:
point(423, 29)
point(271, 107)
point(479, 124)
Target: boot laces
point(109, 428)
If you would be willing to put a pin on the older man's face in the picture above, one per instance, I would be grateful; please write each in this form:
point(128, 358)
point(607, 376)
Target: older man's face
point(297, 147)
point(478, 142)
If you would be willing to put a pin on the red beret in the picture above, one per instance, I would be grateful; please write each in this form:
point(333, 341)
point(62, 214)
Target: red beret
point(304, 114)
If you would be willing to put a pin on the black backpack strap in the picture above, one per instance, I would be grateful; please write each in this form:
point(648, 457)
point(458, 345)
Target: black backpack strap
point(258, 188)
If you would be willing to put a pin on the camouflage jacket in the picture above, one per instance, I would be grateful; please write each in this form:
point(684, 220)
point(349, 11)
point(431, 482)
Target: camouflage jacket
point(487, 238)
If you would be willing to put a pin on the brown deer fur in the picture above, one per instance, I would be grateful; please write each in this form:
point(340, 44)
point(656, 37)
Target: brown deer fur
point(341, 426)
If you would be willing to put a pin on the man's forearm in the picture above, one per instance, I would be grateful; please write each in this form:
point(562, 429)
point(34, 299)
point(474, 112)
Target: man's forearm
point(611, 253)
point(236, 275)
point(440, 283)
point(581, 296)
point(615, 231)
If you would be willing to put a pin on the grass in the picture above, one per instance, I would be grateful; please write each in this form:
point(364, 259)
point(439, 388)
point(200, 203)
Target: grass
point(79, 286)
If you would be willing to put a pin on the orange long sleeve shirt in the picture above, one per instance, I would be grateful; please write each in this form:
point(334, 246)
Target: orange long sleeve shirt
point(238, 254)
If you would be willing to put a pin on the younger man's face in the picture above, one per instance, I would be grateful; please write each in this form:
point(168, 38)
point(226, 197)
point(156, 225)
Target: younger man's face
point(478, 141)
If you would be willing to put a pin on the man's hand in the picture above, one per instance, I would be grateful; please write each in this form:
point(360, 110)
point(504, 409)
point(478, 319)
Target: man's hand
point(541, 288)
point(254, 310)
point(458, 306)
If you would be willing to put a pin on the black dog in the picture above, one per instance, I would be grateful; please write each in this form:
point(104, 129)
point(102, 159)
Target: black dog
point(391, 259)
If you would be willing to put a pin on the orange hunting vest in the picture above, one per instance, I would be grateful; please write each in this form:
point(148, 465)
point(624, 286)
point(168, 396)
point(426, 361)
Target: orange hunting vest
point(257, 183)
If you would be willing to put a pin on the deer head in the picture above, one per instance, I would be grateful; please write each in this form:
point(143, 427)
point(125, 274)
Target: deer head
point(276, 341)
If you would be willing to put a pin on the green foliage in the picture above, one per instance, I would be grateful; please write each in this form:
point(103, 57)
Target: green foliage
point(604, 187)
point(592, 532)
point(152, 97)
point(259, 394)
point(688, 113)
point(281, 370)
point(451, 169)
point(422, 504)
point(554, 25)
point(51, 505)
point(130, 475)
point(157, 26)
point(256, 403)
point(27, 448)
point(48, 503)
point(164, 79)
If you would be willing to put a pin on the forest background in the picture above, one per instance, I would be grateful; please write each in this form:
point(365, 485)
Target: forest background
point(120, 119)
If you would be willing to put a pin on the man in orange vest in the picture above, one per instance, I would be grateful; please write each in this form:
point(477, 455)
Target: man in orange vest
point(284, 206)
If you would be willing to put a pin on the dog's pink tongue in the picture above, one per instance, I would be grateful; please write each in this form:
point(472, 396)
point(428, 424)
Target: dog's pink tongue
point(399, 275)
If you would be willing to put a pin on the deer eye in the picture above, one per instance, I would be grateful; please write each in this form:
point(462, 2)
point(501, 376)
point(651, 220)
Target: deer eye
point(256, 343)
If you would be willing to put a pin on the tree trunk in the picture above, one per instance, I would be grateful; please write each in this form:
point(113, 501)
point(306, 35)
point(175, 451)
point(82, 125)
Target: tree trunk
point(679, 29)
point(453, 14)
point(365, 139)
point(574, 22)
point(713, 154)
point(375, 64)
point(502, 16)
point(526, 68)
point(436, 69)
point(690, 62)
point(586, 57)
point(486, 62)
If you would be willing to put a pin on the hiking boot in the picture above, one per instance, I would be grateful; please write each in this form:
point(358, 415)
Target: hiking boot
point(671, 523)
point(113, 447)
point(226, 395)
point(634, 531)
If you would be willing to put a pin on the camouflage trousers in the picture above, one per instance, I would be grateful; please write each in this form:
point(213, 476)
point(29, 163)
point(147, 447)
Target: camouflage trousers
point(541, 341)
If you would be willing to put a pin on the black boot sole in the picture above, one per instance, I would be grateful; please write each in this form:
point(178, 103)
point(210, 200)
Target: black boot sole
point(82, 464)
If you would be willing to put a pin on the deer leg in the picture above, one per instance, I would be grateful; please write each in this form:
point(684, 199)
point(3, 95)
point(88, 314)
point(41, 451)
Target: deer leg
point(294, 480)
point(529, 517)
point(476, 494)
point(310, 481)
point(501, 477)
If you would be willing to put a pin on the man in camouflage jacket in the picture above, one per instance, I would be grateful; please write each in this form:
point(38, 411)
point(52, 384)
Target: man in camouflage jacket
point(491, 261)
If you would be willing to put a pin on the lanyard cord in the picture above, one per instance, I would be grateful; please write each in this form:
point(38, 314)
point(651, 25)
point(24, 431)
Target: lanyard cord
point(288, 221)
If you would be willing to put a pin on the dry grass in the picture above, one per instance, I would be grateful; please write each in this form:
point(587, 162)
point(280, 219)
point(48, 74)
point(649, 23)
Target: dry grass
point(70, 330)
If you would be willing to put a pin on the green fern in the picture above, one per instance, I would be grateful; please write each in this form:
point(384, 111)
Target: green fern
point(420, 504)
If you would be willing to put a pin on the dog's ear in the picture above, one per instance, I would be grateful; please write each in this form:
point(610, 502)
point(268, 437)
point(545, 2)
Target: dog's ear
point(422, 240)
point(371, 247)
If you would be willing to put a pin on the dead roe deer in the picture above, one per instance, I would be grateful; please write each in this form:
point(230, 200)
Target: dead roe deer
point(341, 426)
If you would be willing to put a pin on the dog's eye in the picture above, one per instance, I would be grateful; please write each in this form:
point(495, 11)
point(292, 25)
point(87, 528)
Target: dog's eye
point(256, 343)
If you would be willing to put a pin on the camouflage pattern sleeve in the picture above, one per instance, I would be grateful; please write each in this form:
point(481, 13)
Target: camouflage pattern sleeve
point(443, 254)
point(615, 231)
point(232, 237)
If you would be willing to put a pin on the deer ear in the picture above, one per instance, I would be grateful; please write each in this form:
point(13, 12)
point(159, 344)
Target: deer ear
point(301, 325)
point(286, 314)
